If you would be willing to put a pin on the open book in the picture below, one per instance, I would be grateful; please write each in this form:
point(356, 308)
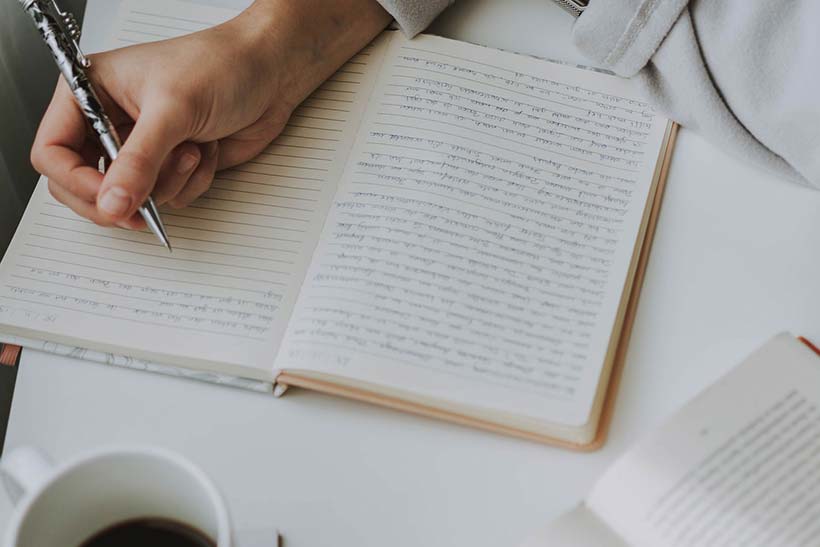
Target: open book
point(739, 465)
point(442, 227)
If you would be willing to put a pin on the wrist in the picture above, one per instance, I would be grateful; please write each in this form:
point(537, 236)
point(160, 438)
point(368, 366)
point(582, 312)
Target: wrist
point(256, 40)
point(298, 45)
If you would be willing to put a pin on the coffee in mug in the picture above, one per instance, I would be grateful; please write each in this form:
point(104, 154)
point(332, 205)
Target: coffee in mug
point(156, 532)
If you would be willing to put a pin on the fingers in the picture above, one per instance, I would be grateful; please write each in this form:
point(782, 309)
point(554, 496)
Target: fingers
point(201, 179)
point(87, 209)
point(176, 172)
point(136, 222)
point(133, 174)
point(234, 151)
point(247, 143)
point(72, 172)
point(60, 148)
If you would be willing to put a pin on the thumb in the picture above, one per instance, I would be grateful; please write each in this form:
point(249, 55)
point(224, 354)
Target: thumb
point(132, 176)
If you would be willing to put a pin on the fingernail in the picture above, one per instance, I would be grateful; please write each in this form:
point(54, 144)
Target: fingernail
point(115, 201)
point(187, 162)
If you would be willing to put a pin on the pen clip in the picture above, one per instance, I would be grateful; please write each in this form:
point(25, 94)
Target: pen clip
point(72, 29)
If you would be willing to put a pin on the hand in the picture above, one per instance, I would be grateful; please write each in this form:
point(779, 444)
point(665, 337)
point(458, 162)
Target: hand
point(189, 106)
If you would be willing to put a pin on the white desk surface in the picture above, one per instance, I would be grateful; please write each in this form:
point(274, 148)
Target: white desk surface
point(735, 260)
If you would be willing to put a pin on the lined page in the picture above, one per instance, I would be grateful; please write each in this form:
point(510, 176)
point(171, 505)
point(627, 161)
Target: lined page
point(482, 236)
point(240, 252)
point(740, 465)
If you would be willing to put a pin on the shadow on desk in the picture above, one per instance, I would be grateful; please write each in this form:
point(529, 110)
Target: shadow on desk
point(27, 79)
point(8, 376)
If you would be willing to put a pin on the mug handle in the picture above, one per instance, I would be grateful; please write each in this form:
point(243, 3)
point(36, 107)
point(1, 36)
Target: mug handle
point(23, 470)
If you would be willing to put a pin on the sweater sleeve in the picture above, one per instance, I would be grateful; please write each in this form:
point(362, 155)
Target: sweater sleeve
point(742, 73)
point(413, 16)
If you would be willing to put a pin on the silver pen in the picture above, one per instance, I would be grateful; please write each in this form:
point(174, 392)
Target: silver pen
point(61, 34)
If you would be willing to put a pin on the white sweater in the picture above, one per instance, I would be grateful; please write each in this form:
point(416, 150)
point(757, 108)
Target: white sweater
point(744, 73)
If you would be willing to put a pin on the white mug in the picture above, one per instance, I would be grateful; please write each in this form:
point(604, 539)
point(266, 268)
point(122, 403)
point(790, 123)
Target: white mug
point(65, 505)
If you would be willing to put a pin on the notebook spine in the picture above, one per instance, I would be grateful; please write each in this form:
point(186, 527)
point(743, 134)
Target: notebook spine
point(279, 389)
point(9, 354)
point(136, 364)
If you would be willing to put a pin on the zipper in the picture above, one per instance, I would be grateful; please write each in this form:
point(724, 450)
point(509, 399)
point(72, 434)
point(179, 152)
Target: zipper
point(574, 7)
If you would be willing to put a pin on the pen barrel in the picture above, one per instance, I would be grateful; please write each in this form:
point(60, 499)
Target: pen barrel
point(72, 64)
point(111, 144)
point(69, 62)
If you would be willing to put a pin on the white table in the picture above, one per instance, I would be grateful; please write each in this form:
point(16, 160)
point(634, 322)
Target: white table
point(735, 260)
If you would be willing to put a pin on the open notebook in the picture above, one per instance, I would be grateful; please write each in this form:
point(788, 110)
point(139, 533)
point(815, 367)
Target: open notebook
point(738, 465)
point(442, 227)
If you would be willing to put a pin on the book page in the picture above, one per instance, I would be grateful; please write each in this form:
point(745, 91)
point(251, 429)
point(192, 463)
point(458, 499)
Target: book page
point(479, 246)
point(224, 296)
point(739, 465)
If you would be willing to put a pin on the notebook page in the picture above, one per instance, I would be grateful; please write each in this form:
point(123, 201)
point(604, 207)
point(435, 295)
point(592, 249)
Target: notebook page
point(483, 231)
point(740, 465)
point(240, 252)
